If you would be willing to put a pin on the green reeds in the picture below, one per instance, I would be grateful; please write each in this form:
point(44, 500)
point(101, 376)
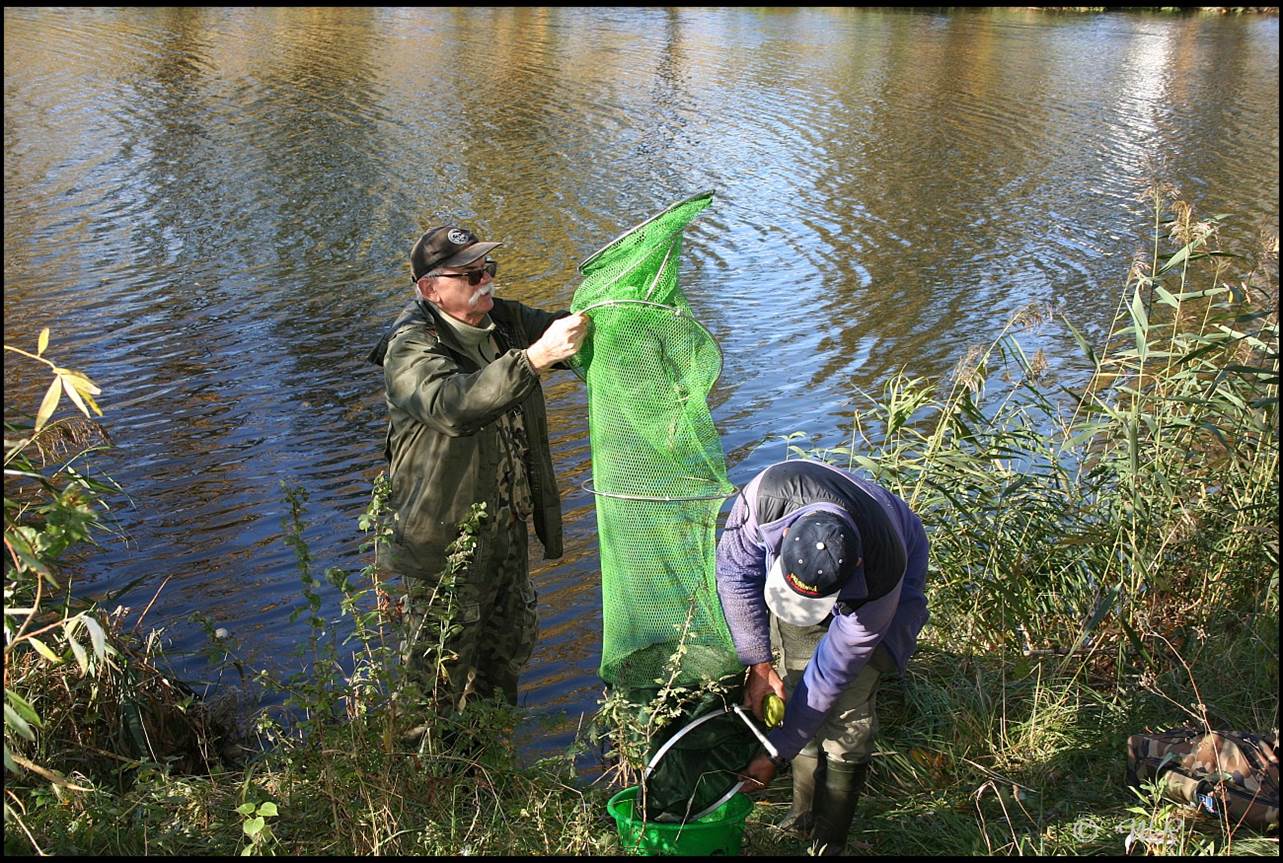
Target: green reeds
point(1091, 517)
point(1104, 558)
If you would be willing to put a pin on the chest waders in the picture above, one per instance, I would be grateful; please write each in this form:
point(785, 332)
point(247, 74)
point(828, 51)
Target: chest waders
point(828, 776)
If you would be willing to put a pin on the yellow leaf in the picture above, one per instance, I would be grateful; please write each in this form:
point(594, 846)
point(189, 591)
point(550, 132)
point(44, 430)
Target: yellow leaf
point(82, 659)
point(49, 403)
point(86, 389)
point(71, 392)
point(82, 383)
point(43, 342)
point(93, 405)
point(45, 651)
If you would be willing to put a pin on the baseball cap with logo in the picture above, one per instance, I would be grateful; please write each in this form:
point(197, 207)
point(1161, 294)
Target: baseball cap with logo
point(818, 554)
point(446, 246)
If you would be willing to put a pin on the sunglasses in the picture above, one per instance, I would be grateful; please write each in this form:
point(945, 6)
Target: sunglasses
point(474, 277)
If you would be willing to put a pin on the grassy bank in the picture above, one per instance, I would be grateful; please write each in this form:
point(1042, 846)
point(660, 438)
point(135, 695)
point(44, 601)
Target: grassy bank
point(1104, 559)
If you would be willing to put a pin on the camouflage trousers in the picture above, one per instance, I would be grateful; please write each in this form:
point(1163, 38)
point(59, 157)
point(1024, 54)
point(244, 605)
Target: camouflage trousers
point(495, 622)
point(852, 725)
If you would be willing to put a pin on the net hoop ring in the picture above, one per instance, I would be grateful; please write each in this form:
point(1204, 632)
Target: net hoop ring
point(587, 485)
point(675, 311)
point(588, 261)
point(739, 786)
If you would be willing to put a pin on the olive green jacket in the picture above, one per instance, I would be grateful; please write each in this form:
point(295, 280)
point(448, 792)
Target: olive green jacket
point(443, 440)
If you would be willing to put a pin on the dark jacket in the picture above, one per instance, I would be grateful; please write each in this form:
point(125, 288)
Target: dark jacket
point(443, 442)
point(882, 603)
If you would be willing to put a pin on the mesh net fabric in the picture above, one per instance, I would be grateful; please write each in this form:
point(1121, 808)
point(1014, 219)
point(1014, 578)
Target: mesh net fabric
point(658, 469)
point(659, 480)
point(703, 764)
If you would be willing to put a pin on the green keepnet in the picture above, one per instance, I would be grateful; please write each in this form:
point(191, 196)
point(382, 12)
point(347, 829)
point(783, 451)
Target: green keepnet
point(658, 470)
point(659, 478)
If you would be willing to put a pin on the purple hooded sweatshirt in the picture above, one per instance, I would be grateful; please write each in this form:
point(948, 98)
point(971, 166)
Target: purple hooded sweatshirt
point(881, 603)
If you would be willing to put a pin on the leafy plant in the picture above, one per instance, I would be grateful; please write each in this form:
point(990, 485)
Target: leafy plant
point(48, 509)
point(256, 827)
point(1080, 519)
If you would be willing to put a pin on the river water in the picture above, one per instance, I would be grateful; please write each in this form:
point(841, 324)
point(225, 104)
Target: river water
point(212, 210)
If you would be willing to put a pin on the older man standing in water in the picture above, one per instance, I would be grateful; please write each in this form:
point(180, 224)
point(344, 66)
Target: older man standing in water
point(831, 570)
point(467, 424)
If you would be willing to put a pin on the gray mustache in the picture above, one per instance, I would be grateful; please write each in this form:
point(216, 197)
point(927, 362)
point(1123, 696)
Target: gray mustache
point(487, 291)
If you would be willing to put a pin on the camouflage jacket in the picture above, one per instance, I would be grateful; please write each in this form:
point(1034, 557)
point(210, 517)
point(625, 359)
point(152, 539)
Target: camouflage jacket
point(443, 443)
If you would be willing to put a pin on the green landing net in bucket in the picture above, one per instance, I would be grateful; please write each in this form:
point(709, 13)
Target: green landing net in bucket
point(659, 480)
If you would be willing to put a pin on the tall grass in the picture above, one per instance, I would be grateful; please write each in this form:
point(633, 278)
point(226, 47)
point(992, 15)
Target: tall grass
point(358, 760)
point(1141, 503)
point(105, 752)
point(1104, 556)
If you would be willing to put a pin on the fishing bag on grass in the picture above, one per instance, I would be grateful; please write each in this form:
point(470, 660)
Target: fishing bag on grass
point(1229, 774)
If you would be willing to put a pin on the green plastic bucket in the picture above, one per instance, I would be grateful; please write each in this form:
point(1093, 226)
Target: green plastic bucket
point(719, 832)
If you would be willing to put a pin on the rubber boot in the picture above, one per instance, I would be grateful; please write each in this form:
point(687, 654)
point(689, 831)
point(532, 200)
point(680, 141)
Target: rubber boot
point(801, 818)
point(835, 806)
